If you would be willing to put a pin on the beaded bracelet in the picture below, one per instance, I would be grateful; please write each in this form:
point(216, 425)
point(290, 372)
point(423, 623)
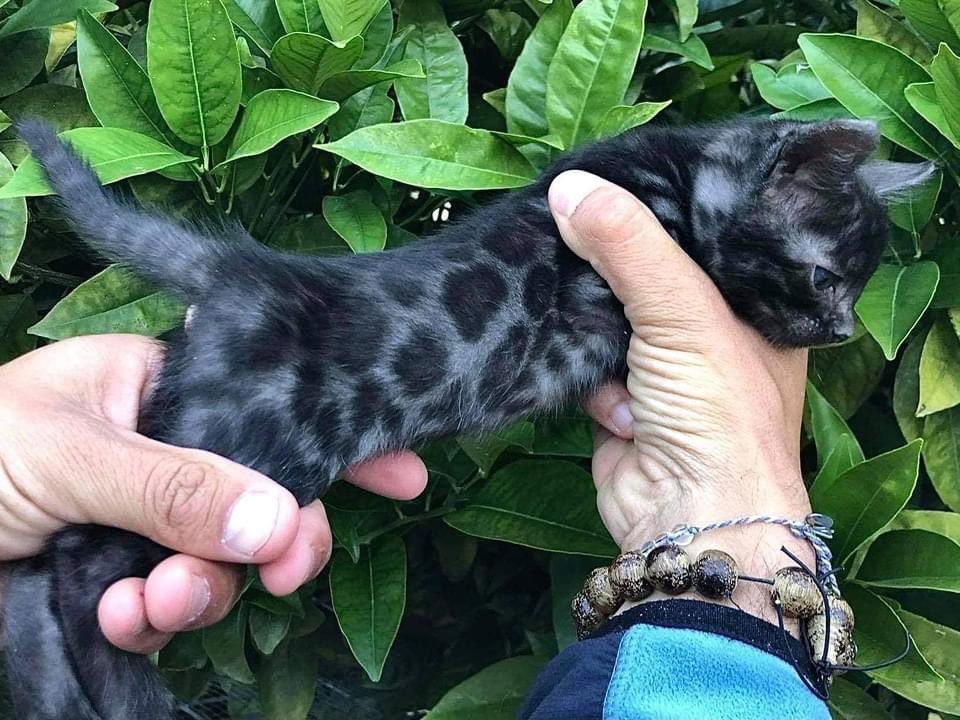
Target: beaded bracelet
point(796, 591)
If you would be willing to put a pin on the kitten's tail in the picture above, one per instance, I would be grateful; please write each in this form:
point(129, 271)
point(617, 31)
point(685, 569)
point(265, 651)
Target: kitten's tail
point(176, 257)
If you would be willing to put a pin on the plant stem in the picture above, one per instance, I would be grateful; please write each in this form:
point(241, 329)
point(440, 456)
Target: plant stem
point(51, 276)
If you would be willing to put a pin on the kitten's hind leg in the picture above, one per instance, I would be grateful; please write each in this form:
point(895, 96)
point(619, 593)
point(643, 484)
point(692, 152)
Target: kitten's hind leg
point(59, 664)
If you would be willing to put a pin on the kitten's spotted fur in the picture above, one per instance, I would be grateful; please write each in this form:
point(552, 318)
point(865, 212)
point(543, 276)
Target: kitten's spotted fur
point(298, 367)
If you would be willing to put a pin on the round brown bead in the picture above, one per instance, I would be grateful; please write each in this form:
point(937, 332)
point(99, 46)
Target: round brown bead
point(586, 618)
point(841, 649)
point(668, 568)
point(599, 591)
point(797, 593)
point(715, 574)
point(628, 576)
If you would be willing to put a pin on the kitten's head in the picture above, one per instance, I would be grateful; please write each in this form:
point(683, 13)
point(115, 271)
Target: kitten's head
point(792, 230)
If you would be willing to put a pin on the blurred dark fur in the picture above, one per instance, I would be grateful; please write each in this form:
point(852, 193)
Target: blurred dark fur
point(300, 366)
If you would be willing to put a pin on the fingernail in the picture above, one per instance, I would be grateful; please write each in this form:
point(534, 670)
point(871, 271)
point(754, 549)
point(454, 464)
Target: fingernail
point(622, 418)
point(251, 521)
point(318, 561)
point(570, 188)
point(199, 597)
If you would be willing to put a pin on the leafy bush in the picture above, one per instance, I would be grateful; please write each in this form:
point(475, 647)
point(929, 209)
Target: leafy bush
point(338, 126)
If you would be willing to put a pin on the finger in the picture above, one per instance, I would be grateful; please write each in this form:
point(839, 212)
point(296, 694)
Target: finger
point(658, 284)
point(189, 500)
point(306, 557)
point(402, 476)
point(110, 375)
point(610, 406)
point(122, 615)
point(185, 593)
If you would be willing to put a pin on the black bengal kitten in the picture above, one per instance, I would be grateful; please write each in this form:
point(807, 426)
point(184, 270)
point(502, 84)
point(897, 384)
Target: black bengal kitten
point(300, 366)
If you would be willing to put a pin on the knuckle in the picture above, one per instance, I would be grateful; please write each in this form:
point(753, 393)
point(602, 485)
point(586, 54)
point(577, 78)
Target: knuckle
point(181, 494)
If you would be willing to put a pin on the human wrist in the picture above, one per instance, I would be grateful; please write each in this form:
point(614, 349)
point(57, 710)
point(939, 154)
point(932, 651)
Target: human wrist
point(756, 548)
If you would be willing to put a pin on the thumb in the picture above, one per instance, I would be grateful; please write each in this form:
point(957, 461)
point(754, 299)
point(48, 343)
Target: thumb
point(661, 288)
point(188, 500)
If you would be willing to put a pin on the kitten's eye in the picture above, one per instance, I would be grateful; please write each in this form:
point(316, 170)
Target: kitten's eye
point(823, 279)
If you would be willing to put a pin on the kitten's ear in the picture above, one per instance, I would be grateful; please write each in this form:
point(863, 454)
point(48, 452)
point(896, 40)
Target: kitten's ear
point(825, 153)
point(890, 179)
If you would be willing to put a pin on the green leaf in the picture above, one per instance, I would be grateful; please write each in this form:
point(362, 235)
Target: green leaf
point(845, 454)
point(894, 300)
point(484, 451)
point(938, 644)
point(935, 521)
point(868, 78)
point(442, 94)
point(273, 116)
point(593, 66)
point(118, 90)
point(665, 38)
point(915, 559)
point(930, 20)
point(183, 652)
point(195, 68)
point(847, 374)
point(345, 84)
point(305, 61)
point(112, 301)
point(880, 634)
point(301, 16)
point(913, 210)
point(17, 313)
point(368, 598)
point(826, 109)
point(368, 107)
point(566, 579)
point(941, 455)
point(258, 19)
point(436, 154)
point(13, 224)
point(828, 426)
point(63, 107)
point(793, 85)
point(544, 504)
point(379, 41)
point(866, 497)
point(494, 693)
point(906, 391)
point(5, 121)
point(939, 370)
point(923, 98)
point(112, 153)
point(23, 55)
point(875, 24)
point(356, 219)
point(851, 702)
point(685, 14)
point(46, 13)
point(287, 679)
point(526, 102)
point(267, 630)
point(621, 118)
point(507, 29)
point(945, 70)
point(565, 434)
point(224, 644)
point(347, 18)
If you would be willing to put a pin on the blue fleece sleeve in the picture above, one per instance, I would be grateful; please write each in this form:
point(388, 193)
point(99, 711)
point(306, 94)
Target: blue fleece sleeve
point(676, 660)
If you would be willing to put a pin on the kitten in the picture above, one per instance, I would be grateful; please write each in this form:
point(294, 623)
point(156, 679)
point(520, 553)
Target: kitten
point(492, 318)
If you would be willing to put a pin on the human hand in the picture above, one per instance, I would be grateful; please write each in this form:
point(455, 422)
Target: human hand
point(710, 427)
point(69, 453)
